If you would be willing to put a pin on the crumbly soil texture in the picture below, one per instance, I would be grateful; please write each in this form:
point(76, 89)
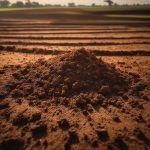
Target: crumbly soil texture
point(73, 101)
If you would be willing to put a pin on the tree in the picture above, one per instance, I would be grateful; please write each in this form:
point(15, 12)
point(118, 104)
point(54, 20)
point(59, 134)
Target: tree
point(71, 4)
point(110, 2)
point(4, 3)
point(115, 4)
point(18, 4)
point(28, 3)
point(35, 4)
point(93, 5)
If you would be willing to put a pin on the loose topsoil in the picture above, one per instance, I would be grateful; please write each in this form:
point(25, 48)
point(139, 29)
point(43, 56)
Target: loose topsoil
point(73, 101)
point(66, 76)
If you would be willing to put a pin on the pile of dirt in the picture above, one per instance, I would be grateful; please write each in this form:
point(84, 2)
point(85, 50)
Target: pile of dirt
point(74, 101)
point(66, 75)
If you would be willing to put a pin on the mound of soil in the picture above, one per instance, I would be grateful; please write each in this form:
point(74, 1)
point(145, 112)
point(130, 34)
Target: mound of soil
point(65, 76)
point(74, 101)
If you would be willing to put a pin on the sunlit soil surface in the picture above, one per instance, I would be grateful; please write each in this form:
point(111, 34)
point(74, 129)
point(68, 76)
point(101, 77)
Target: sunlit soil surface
point(36, 112)
point(120, 121)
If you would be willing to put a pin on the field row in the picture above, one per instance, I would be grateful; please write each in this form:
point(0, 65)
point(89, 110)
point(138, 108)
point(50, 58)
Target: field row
point(42, 24)
point(68, 32)
point(74, 43)
point(48, 39)
point(75, 38)
point(42, 48)
point(80, 22)
point(11, 58)
point(78, 36)
point(73, 29)
point(43, 34)
point(66, 28)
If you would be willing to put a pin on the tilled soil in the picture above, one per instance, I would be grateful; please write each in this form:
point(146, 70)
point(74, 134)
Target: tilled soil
point(75, 100)
point(64, 76)
point(75, 42)
point(61, 49)
point(49, 104)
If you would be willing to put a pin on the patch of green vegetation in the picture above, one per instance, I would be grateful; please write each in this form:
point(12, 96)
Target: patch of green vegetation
point(33, 8)
point(16, 9)
point(120, 21)
point(85, 8)
point(116, 8)
point(129, 16)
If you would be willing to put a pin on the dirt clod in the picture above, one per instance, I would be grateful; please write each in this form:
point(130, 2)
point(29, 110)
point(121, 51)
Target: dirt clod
point(73, 137)
point(13, 144)
point(2, 71)
point(94, 144)
point(105, 90)
point(4, 105)
point(64, 124)
point(116, 119)
point(36, 116)
point(66, 75)
point(75, 101)
point(20, 120)
point(120, 143)
point(102, 134)
point(39, 131)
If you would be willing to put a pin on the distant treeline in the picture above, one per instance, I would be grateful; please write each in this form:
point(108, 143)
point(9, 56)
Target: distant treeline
point(28, 3)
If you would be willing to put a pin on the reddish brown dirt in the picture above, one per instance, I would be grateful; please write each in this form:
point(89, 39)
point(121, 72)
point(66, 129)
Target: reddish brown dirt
point(102, 118)
point(75, 101)
point(67, 75)
point(75, 42)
